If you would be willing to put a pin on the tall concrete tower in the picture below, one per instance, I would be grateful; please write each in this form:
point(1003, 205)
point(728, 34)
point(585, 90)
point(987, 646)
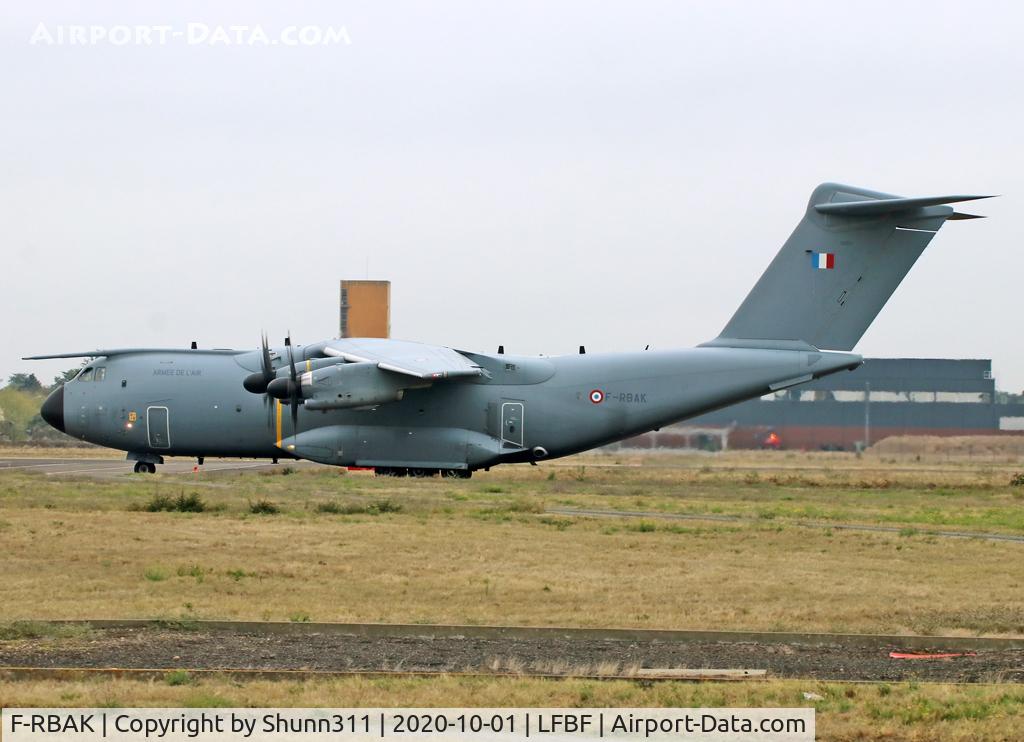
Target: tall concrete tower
point(365, 309)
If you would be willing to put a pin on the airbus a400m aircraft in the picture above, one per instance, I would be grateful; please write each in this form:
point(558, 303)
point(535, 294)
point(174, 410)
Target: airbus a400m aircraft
point(408, 408)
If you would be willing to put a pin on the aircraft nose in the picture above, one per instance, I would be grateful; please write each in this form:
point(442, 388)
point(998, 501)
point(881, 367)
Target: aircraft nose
point(53, 408)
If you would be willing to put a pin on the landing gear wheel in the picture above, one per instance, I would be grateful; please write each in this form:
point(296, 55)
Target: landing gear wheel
point(144, 467)
point(420, 473)
point(456, 473)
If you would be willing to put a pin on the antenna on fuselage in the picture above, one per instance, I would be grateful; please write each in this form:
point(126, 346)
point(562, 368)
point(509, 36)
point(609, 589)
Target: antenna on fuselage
point(583, 350)
point(194, 345)
point(501, 350)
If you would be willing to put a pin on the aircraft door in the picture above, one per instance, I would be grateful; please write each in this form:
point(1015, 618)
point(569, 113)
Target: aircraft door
point(158, 427)
point(512, 421)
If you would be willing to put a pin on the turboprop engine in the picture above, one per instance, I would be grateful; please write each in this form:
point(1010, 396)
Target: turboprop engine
point(351, 385)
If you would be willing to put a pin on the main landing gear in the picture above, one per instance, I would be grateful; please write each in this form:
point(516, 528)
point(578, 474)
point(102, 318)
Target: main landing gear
point(145, 463)
point(401, 471)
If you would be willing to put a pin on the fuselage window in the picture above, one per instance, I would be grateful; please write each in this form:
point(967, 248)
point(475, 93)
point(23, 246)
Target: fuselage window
point(101, 373)
point(85, 375)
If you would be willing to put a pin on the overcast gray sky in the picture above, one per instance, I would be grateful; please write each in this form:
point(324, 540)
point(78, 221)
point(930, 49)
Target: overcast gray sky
point(538, 174)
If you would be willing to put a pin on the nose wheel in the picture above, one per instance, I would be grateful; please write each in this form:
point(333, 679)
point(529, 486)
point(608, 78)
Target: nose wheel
point(144, 467)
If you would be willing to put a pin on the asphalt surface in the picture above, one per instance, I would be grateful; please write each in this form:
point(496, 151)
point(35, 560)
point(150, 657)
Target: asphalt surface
point(106, 468)
point(162, 648)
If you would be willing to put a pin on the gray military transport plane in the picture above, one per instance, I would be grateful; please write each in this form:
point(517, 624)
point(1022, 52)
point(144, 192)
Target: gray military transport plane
point(405, 408)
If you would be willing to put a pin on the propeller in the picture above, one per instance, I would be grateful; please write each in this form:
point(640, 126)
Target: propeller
point(267, 382)
point(288, 388)
point(294, 387)
point(258, 382)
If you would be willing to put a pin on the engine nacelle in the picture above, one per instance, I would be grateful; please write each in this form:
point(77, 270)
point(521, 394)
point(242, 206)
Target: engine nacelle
point(344, 385)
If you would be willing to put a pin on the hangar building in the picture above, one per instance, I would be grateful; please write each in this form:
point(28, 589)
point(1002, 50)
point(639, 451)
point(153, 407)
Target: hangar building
point(882, 398)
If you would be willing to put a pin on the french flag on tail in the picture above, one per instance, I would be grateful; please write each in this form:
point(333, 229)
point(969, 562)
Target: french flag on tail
point(823, 261)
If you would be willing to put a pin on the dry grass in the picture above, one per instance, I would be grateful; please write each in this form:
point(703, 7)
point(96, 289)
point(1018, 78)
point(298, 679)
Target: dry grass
point(459, 569)
point(848, 711)
point(964, 446)
point(483, 551)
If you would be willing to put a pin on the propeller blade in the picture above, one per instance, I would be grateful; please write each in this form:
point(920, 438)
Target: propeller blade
point(294, 387)
point(257, 382)
point(265, 362)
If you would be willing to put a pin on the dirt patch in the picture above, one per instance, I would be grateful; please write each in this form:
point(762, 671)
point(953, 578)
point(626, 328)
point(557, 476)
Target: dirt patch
point(177, 649)
point(960, 445)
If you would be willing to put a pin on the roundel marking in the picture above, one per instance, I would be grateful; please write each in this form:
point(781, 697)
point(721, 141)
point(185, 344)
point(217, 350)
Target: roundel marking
point(597, 396)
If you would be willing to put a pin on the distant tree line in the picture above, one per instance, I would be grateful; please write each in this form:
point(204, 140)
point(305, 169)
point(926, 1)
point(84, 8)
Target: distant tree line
point(20, 399)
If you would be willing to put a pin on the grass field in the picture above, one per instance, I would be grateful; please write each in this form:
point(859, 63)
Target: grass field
point(351, 547)
point(320, 545)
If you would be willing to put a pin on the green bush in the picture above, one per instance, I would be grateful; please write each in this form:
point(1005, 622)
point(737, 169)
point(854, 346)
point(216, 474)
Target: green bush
point(263, 507)
point(192, 570)
point(178, 677)
point(352, 508)
point(190, 503)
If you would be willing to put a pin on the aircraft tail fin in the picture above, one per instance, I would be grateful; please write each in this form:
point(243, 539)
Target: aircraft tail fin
point(838, 268)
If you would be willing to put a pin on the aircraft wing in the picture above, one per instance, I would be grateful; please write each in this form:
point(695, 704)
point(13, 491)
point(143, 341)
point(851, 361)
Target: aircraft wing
point(430, 362)
point(106, 352)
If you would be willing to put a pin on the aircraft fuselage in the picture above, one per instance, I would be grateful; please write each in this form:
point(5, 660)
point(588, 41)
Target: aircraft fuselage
point(192, 403)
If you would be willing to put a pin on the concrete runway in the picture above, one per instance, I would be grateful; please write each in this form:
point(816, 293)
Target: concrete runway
point(109, 468)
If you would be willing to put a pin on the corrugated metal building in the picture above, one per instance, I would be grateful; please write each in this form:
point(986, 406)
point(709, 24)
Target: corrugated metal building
point(884, 397)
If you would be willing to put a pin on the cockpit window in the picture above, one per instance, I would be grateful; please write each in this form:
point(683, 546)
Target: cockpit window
point(101, 373)
point(86, 375)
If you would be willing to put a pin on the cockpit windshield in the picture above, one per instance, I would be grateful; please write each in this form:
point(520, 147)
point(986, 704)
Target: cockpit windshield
point(86, 374)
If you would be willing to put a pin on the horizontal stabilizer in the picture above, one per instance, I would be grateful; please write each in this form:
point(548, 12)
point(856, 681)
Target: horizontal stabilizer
point(876, 207)
point(958, 215)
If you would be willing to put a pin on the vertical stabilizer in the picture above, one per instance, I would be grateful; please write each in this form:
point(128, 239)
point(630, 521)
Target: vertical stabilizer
point(838, 268)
